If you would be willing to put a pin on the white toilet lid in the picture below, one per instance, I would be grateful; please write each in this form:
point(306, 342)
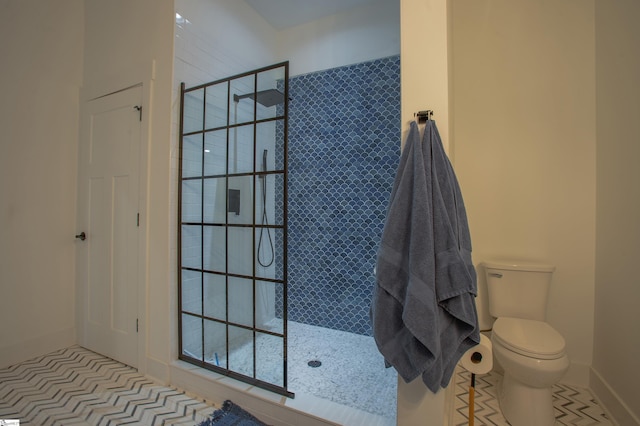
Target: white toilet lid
point(535, 339)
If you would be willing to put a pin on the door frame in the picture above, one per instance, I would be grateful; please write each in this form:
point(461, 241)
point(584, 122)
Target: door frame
point(137, 75)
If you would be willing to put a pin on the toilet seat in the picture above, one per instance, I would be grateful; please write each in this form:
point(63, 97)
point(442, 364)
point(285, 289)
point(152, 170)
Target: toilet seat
point(533, 339)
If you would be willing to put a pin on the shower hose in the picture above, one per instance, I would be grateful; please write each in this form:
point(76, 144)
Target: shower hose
point(265, 223)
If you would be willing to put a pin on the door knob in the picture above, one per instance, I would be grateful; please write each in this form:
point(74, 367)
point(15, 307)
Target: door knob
point(82, 236)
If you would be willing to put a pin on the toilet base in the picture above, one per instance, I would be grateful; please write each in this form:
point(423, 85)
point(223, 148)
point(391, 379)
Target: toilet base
point(522, 405)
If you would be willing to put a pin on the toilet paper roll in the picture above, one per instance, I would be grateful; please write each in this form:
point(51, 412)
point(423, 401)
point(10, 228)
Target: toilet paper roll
point(478, 359)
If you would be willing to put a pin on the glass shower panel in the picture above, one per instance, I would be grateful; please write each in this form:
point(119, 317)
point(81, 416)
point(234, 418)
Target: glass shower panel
point(192, 156)
point(191, 241)
point(241, 301)
point(193, 111)
point(215, 296)
point(192, 291)
point(241, 103)
point(215, 153)
point(213, 252)
point(216, 107)
point(215, 343)
point(270, 95)
point(241, 350)
point(192, 200)
point(269, 353)
point(239, 258)
point(269, 200)
point(268, 310)
point(232, 261)
point(240, 202)
point(215, 200)
point(241, 149)
point(269, 147)
point(192, 336)
point(269, 246)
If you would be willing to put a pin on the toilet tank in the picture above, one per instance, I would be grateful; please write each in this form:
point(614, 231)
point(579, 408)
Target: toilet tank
point(518, 289)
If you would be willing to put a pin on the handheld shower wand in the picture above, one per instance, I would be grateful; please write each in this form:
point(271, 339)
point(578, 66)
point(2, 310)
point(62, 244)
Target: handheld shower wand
point(265, 220)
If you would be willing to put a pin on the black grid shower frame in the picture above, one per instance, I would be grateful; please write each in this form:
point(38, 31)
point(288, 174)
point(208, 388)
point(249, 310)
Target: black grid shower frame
point(281, 117)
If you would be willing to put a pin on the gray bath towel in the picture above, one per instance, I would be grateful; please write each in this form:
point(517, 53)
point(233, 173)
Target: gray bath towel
point(423, 310)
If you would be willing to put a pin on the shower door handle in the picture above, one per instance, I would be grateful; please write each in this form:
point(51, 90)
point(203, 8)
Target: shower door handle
point(82, 236)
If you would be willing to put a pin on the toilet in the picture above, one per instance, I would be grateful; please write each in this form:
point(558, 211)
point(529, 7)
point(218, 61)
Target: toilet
point(531, 352)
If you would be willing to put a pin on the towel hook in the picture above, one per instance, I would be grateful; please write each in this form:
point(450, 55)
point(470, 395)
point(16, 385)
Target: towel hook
point(423, 116)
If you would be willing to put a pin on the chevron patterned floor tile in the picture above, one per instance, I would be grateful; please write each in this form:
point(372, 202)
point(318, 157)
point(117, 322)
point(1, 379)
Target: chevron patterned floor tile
point(573, 406)
point(75, 386)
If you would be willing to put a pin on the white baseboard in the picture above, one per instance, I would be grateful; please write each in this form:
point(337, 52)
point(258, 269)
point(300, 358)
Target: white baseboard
point(35, 347)
point(157, 370)
point(617, 410)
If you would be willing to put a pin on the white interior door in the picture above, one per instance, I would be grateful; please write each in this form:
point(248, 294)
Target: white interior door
point(107, 260)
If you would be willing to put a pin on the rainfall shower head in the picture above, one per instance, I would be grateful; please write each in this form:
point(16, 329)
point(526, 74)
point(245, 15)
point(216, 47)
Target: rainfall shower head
point(268, 98)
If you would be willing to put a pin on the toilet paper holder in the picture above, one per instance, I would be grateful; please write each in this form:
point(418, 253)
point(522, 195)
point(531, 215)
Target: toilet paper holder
point(476, 357)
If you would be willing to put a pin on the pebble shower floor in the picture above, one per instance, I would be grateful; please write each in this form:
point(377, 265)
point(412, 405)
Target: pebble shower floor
point(333, 365)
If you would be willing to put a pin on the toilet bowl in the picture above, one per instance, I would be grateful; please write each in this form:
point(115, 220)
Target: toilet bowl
point(533, 357)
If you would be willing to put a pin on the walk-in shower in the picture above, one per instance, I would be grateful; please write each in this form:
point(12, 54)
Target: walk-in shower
point(310, 192)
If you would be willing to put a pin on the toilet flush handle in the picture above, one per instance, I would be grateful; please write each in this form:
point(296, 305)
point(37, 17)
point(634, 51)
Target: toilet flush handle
point(495, 274)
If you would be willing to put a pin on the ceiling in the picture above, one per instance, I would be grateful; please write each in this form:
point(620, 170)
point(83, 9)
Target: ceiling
point(289, 13)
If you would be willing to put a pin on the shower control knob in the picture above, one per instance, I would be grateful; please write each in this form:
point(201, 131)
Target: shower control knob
point(82, 236)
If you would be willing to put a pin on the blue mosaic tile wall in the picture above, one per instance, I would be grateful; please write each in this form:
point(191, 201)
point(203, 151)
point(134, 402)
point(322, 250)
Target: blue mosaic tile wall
point(344, 149)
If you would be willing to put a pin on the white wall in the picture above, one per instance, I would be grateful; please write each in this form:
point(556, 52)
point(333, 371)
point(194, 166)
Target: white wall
point(616, 342)
point(41, 74)
point(425, 77)
point(524, 147)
